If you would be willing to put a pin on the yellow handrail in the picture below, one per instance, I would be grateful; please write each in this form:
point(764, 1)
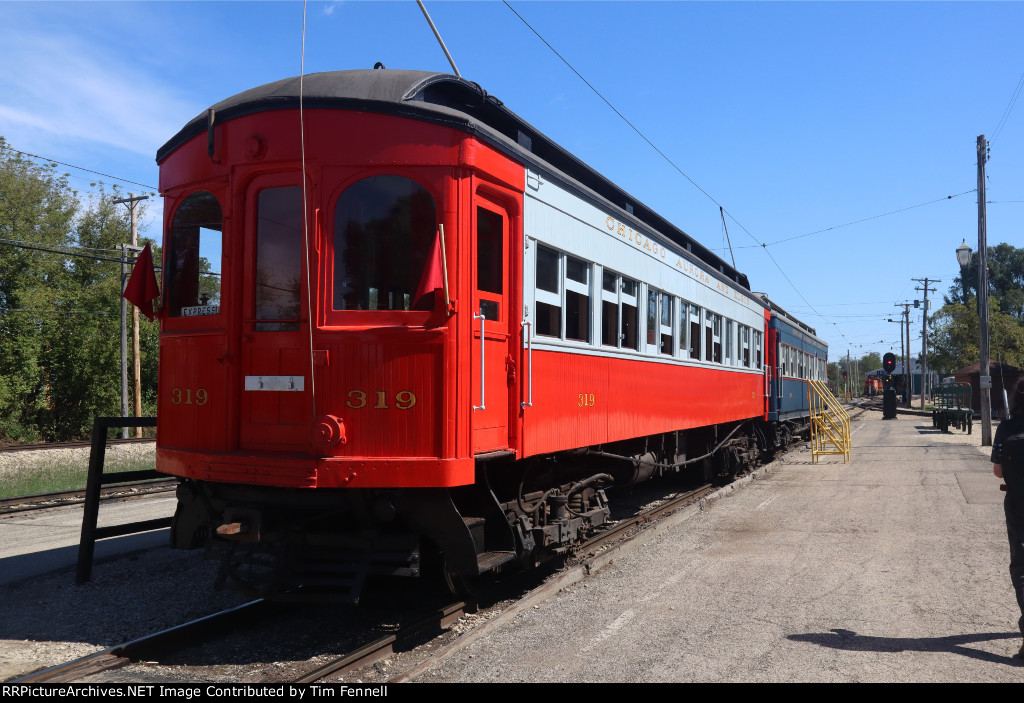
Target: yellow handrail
point(830, 424)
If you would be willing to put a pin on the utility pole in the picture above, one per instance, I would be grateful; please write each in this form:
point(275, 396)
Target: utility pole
point(908, 376)
point(924, 335)
point(902, 351)
point(131, 202)
point(984, 371)
point(848, 379)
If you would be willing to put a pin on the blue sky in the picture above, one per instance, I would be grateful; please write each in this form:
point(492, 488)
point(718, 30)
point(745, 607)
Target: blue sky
point(796, 117)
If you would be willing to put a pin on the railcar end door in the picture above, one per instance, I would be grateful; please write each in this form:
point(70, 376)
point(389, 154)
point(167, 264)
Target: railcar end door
point(491, 364)
point(276, 410)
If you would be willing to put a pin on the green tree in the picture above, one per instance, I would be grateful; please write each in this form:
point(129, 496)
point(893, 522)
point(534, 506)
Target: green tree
point(1005, 279)
point(835, 375)
point(83, 367)
point(37, 209)
point(60, 286)
point(872, 361)
point(954, 334)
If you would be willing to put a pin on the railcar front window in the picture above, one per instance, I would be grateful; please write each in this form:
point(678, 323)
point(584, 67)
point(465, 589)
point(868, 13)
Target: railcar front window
point(489, 279)
point(279, 259)
point(385, 228)
point(192, 280)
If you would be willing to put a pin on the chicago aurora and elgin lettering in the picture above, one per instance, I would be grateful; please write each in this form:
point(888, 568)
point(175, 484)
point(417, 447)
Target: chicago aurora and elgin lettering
point(657, 251)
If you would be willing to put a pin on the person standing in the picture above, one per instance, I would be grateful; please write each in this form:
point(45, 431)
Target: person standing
point(1008, 461)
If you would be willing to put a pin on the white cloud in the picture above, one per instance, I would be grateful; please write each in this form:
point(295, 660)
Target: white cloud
point(61, 90)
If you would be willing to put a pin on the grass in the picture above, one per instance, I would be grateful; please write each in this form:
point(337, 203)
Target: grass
point(68, 473)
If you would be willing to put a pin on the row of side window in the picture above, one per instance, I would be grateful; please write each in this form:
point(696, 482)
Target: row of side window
point(795, 363)
point(565, 285)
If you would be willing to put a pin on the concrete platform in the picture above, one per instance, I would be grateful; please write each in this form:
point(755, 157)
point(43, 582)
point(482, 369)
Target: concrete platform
point(892, 567)
point(39, 542)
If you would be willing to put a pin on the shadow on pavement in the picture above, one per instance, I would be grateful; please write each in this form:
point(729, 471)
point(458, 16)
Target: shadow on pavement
point(847, 639)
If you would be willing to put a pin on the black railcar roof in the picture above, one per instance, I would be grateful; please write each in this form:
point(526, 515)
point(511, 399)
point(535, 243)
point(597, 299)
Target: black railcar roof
point(446, 99)
point(788, 317)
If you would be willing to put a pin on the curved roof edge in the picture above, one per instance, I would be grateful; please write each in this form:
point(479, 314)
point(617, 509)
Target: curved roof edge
point(455, 102)
point(782, 313)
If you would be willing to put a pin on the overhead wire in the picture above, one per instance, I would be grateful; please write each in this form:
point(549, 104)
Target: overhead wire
point(28, 244)
point(866, 219)
point(675, 166)
point(82, 168)
point(64, 252)
point(1009, 108)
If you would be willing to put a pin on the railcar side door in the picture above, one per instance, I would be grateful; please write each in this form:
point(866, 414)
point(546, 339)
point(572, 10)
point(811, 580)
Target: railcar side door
point(492, 369)
point(276, 406)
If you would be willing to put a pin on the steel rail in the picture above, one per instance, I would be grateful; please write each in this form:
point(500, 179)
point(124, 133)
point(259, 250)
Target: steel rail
point(383, 647)
point(70, 445)
point(122, 654)
point(57, 499)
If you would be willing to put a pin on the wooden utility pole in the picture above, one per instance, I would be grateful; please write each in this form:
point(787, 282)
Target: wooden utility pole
point(131, 201)
point(908, 376)
point(924, 335)
point(984, 372)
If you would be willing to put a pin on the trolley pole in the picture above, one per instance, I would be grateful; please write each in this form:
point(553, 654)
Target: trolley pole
point(984, 371)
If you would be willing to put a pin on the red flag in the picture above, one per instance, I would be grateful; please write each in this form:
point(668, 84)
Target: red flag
point(142, 290)
point(432, 278)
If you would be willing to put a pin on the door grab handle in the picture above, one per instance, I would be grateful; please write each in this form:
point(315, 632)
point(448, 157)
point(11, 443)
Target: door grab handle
point(482, 405)
point(528, 326)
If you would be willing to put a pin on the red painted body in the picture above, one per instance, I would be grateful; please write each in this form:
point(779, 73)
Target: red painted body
point(581, 401)
point(363, 360)
point(423, 309)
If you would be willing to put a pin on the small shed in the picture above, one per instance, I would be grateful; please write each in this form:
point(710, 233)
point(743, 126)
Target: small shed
point(1003, 376)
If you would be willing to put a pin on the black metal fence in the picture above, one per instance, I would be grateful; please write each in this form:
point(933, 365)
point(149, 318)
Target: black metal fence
point(96, 480)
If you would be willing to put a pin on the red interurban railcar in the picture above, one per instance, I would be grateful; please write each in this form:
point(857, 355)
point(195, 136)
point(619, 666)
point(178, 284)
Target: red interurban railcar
point(400, 324)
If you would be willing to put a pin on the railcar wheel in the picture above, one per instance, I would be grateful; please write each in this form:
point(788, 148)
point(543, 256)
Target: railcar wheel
point(437, 578)
point(460, 586)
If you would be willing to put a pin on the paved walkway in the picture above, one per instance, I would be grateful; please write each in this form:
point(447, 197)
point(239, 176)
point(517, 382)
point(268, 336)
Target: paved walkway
point(34, 543)
point(892, 567)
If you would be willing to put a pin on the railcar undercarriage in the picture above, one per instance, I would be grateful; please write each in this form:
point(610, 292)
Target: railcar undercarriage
point(293, 543)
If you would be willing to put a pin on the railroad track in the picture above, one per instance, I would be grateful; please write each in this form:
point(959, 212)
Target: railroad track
point(42, 501)
point(418, 630)
point(123, 654)
point(584, 559)
point(70, 445)
point(581, 562)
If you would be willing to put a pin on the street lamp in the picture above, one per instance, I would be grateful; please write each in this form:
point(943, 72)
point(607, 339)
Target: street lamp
point(963, 256)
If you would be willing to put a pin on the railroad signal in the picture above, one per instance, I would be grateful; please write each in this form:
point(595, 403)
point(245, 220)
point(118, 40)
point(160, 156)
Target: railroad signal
point(889, 362)
point(889, 389)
